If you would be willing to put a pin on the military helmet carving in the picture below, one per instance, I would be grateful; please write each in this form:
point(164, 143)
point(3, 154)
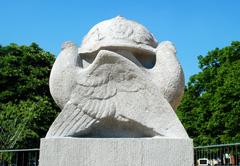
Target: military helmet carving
point(119, 33)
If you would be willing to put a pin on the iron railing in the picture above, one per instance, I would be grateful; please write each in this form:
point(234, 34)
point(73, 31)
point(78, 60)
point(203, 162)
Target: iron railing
point(213, 155)
point(19, 157)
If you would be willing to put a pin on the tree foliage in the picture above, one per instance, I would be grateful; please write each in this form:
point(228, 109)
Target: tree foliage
point(210, 107)
point(26, 107)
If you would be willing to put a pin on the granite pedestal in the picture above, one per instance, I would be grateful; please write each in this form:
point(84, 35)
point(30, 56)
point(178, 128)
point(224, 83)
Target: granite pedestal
point(116, 152)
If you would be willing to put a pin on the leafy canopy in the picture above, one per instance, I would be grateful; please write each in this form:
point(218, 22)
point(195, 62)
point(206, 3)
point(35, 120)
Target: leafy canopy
point(210, 107)
point(26, 107)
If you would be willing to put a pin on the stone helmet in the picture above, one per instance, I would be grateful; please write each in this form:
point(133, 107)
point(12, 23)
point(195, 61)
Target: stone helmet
point(119, 33)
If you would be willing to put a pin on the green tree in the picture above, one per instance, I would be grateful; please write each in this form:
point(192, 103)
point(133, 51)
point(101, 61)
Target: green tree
point(210, 107)
point(26, 106)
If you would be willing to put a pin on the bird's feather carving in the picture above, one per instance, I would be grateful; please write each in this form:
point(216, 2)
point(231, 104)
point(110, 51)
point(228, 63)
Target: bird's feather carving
point(94, 96)
point(113, 87)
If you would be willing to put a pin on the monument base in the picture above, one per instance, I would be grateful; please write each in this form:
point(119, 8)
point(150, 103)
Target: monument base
point(116, 152)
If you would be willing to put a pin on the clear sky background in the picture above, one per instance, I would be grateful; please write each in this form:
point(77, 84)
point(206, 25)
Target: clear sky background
point(195, 26)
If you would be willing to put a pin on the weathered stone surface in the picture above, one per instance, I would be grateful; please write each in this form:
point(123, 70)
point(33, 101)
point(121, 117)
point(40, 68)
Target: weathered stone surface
point(116, 152)
point(119, 83)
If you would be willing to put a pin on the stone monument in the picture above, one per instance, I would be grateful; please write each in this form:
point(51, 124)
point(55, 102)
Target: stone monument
point(118, 93)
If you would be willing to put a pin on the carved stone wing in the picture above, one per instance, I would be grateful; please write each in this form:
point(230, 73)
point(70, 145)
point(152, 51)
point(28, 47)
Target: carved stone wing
point(114, 88)
point(94, 96)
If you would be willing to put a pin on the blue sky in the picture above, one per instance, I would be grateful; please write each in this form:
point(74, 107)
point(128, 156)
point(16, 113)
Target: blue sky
point(195, 27)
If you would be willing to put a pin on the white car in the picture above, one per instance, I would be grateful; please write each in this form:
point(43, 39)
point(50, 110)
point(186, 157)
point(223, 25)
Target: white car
point(203, 162)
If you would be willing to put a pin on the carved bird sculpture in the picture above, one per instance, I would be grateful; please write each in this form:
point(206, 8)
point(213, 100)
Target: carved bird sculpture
point(119, 83)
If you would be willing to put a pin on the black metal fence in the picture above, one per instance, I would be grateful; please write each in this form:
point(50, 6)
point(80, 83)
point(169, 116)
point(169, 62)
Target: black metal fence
point(218, 155)
point(213, 155)
point(19, 157)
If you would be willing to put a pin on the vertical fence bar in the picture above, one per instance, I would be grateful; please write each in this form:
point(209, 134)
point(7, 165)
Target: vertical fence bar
point(236, 148)
point(1, 159)
point(36, 158)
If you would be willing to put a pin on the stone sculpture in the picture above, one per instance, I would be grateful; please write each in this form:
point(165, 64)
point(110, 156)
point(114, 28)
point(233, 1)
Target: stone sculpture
point(120, 83)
